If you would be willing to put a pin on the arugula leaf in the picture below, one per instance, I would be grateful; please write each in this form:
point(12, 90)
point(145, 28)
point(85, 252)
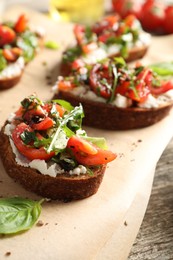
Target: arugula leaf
point(27, 137)
point(18, 214)
point(76, 116)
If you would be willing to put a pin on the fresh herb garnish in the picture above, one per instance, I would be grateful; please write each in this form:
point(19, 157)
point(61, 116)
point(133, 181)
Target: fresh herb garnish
point(18, 214)
point(73, 119)
point(52, 45)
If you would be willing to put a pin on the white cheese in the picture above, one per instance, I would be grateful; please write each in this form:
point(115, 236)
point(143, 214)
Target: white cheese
point(13, 69)
point(78, 170)
point(94, 56)
point(121, 101)
point(155, 102)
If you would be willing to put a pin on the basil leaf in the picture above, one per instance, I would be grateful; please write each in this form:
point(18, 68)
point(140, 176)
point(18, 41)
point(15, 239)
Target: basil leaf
point(163, 68)
point(64, 104)
point(3, 62)
point(18, 214)
point(98, 141)
point(52, 45)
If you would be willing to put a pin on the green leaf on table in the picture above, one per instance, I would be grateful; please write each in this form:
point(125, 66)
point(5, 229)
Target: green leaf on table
point(18, 214)
point(52, 45)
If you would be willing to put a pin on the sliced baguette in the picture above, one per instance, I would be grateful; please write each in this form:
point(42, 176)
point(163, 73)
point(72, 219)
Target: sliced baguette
point(63, 187)
point(10, 82)
point(107, 116)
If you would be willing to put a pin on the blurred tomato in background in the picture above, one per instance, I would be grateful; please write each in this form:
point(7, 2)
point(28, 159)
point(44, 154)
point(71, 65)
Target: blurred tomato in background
point(156, 16)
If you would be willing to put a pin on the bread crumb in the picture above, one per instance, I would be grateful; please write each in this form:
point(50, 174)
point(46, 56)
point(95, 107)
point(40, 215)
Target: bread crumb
point(8, 253)
point(125, 223)
point(40, 223)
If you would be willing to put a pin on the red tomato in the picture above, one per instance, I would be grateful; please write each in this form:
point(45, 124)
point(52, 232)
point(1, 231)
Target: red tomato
point(60, 109)
point(29, 152)
point(126, 7)
point(88, 154)
point(79, 32)
point(81, 145)
point(164, 88)
point(21, 24)
point(105, 24)
point(11, 54)
point(168, 21)
point(100, 78)
point(65, 85)
point(77, 64)
point(7, 35)
point(153, 15)
point(46, 123)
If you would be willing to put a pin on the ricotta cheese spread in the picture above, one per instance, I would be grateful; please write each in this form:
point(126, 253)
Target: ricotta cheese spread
point(51, 169)
point(14, 69)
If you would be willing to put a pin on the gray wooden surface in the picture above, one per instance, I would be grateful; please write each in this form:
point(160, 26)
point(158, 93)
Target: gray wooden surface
point(155, 237)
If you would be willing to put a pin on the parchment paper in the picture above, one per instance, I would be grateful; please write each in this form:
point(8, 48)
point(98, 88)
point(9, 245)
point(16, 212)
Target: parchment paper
point(80, 230)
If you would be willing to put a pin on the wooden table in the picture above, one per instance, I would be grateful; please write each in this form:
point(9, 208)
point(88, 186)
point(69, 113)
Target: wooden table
point(155, 237)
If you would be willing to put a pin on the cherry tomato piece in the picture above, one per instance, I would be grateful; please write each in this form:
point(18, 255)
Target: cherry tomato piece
point(88, 154)
point(126, 7)
point(46, 123)
point(80, 145)
point(21, 24)
point(7, 35)
point(166, 86)
point(29, 152)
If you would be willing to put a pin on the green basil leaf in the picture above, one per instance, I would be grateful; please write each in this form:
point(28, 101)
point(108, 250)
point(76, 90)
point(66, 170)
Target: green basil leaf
point(18, 214)
point(52, 45)
point(98, 141)
point(3, 62)
point(163, 68)
point(64, 104)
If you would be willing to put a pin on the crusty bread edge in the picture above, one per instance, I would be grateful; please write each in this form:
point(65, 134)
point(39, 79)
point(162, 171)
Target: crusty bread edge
point(110, 117)
point(63, 187)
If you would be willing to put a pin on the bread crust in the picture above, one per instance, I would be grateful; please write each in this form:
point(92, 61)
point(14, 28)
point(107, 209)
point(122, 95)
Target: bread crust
point(64, 187)
point(110, 117)
point(7, 83)
point(133, 54)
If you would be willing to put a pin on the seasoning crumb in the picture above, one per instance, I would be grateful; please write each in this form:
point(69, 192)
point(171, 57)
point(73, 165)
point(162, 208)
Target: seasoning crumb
point(56, 224)
point(139, 141)
point(46, 224)
point(44, 63)
point(8, 253)
point(125, 223)
point(40, 223)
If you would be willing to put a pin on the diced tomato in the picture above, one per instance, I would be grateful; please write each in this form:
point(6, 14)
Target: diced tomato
point(87, 48)
point(47, 107)
point(166, 86)
point(126, 7)
point(105, 24)
point(77, 64)
point(28, 151)
point(21, 24)
point(11, 54)
point(44, 124)
point(65, 85)
point(88, 154)
point(79, 32)
point(7, 35)
point(98, 85)
point(81, 145)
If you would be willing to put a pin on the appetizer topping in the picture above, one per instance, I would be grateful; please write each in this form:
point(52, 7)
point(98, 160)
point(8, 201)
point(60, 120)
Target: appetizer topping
point(49, 137)
point(109, 36)
point(16, 41)
point(112, 81)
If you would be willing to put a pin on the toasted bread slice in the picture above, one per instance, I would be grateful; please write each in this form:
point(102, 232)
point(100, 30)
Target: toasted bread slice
point(7, 83)
point(63, 187)
point(107, 116)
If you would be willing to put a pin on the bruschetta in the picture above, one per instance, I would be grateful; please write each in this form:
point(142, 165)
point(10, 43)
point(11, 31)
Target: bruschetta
point(115, 96)
point(107, 38)
point(18, 46)
point(44, 148)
